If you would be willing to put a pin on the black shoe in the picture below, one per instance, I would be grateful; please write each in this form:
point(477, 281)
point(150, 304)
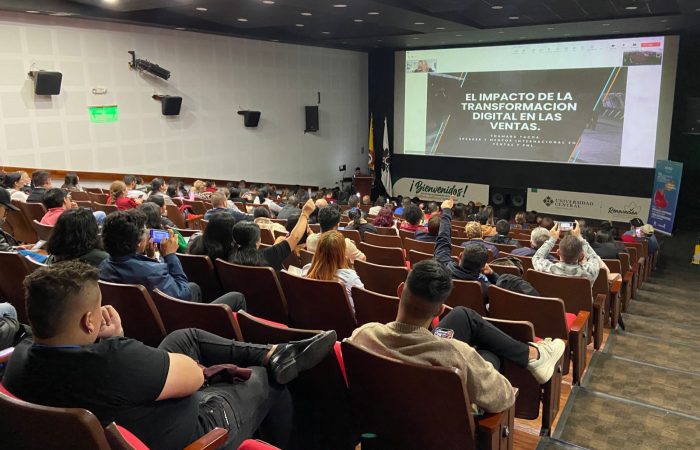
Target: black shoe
point(297, 356)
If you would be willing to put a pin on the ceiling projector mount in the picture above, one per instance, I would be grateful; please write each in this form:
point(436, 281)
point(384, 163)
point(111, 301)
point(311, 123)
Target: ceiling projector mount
point(147, 66)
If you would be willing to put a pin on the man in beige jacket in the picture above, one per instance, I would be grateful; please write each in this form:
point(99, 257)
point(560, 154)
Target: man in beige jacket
point(456, 340)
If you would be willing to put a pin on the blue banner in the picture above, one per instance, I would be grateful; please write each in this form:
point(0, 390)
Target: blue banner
point(664, 198)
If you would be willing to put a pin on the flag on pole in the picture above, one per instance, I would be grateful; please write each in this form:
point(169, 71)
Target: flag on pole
point(370, 147)
point(386, 174)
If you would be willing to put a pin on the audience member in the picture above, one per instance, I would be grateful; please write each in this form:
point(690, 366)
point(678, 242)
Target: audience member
point(159, 394)
point(412, 219)
point(487, 229)
point(366, 200)
point(539, 236)
point(76, 236)
point(606, 247)
point(7, 242)
point(404, 204)
point(531, 219)
point(547, 222)
point(71, 182)
point(432, 232)
point(159, 188)
point(576, 257)
point(353, 202)
point(126, 239)
point(329, 218)
point(261, 217)
point(160, 202)
point(41, 182)
point(119, 196)
point(217, 240)
point(210, 186)
point(131, 182)
point(472, 264)
point(520, 221)
point(219, 204)
point(358, 222)
point(263, 198)
point(461, 211)
point(378, 205)
point(56, 202)
point(154, 221)
point(472, 345)
point(473, 232)
point(385, 218)
point(290, 207)
point(433, 209)
point(290, 225)
point(645, 233)
point(247, 252)
point(331, 263)
point(14, 182)
point(502, 234)
point(236, 196)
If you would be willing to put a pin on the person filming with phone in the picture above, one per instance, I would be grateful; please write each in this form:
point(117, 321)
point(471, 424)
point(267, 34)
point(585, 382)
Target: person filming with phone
point(576, 257)
point(133, 259)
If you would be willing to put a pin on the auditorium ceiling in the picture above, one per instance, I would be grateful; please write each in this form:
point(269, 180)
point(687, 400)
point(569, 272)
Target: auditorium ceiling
point(395, 24)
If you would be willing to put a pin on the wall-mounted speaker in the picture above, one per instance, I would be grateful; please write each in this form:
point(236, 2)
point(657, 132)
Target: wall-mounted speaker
point(46, 83)
point(170, 105)
point(507, 201)
point(250, 118)
point(311, 119)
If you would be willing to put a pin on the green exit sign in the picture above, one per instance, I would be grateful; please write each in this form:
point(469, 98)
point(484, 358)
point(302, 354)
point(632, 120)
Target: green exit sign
point(104, 114)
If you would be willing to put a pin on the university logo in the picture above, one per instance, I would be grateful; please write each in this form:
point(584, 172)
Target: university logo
point(548, 200)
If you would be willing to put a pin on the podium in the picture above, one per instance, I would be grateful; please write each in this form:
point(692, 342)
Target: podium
point(362, 184)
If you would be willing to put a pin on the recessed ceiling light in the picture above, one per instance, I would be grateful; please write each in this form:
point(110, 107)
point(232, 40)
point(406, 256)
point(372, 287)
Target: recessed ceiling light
point(201, 9)
point(418, 23)
point(616, 31)
point(110, 1)
point(379, 40)
point(459, 35)
point(697, 9)
point(181, 28)
point(497, 7)
point(242, 19)
point(513, 18)
point(325, 32)
point(630, 8)
point(299, 25)
point(663, 20)
point(501, 32)
point(606, 24)
point(358, 20)
point(61, 14)
point(373, 13)
point(440, 28)
point(480, 40)
point(340, 5)
point(270, 2)
point(550, 28)
point(306, 14)
point(33, 12)
point(415, 38)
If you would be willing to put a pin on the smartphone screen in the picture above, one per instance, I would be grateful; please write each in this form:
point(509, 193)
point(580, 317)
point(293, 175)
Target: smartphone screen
point(566, 226)
point(638, 232)
point(159, 236)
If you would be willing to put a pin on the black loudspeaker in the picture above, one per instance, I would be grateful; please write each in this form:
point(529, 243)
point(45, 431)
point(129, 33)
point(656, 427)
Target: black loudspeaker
point(250, 118)
point(311, 119)
point(692, 116)
point(507, 201)
point(47, 83)
point(170, 105)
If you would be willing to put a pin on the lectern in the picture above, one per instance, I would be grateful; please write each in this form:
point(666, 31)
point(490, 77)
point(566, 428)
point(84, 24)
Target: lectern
point(362, 184)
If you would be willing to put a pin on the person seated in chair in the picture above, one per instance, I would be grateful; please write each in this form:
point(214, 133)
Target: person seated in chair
point(261, 217)
point(646, 232)
point(76, 236)
point(41, 182)
point(429, 235)
point(539, 236)
point(469, 343)
point(57, 201)
point(576, 257)
point(290, 207)
point(606, 247)
point(358, 222)
point(328, 219)
point(412, 219)
point(472, 264)
point(474, 232)
point(219, 203)
point(8, 243)
point(132, 260)
point(378, 205)
point(159, 394)
point(502, 232)
point(353, 202)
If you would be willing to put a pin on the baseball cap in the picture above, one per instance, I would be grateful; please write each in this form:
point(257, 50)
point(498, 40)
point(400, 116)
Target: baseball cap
point(6, 200)
point(648, 229)
point(636, 222)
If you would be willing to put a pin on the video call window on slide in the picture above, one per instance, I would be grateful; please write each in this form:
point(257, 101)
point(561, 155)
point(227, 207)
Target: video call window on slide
point(605, 102)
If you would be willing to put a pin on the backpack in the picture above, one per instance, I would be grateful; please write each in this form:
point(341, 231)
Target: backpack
point(510, 261)
point(516, 284)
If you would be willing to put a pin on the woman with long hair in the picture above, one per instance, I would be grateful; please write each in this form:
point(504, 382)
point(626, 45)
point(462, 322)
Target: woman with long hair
point(71, 182)
point(246, 249)
point(154, 221)
point(385, 218)
point(118, 196)
point(358, 222)
point(217, 239)
point(14, 182)
point(75, 236)
point(331, 264)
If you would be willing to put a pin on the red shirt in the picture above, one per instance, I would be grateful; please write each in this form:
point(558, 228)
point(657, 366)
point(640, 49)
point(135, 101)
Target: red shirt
point(52, 215)
point(408, 227)
point(124, 203)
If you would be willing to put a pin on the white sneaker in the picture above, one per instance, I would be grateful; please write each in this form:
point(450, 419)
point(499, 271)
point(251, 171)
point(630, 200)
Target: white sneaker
point(550, 352)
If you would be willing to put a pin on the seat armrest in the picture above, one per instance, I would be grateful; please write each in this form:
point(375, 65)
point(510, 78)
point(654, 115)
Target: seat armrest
point(628, 276)
point(495, 431)
point(210, 441)
point(616, 286)
point(598, 319)
point(581, 322)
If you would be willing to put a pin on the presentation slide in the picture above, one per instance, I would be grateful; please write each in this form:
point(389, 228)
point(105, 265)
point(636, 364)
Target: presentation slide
point(604, 102)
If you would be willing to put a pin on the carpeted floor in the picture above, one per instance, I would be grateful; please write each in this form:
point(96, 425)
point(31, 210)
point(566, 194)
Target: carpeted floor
point(642, 391)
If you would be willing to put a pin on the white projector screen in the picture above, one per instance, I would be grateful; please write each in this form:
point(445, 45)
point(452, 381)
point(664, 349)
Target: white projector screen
point(603, 102)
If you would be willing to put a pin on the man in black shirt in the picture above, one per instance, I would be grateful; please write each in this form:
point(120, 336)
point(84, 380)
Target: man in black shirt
point(79, 358)
point(41, 182)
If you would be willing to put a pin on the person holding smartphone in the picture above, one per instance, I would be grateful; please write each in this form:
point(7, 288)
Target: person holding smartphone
point(132, 260)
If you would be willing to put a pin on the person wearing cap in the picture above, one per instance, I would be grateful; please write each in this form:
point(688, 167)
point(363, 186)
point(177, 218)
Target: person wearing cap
point(7, 242)
point(647, 234)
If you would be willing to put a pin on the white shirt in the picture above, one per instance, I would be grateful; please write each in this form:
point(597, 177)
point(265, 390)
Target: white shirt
point(347, 277)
